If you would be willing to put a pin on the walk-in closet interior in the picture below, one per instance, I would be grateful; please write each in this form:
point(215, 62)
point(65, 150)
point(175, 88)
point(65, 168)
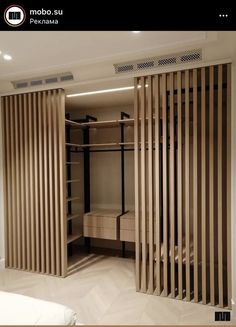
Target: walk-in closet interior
point(142, 172)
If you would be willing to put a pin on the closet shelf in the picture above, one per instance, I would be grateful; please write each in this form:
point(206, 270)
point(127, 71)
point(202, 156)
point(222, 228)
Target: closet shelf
point(107, 144)
point(73, 216)
point(109, 123)
point(72, 199)
point(73, 123)
point(73, 181)
point(74, 144)
point(73, 237)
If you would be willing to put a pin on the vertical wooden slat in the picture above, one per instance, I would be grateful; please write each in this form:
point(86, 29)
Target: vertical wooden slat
point(172, 184)
point(157, 184)
point(13, 191)
point(180, 192)
point(195, 185)
point(150, 182)
point(229, 272)
point(165, 187)
point(143, 185)
point(22, 183)
point(56, 181)
point(187, 185)
point(137, 184)
point(211, 186)
point(46, 195)
point(63, 226)
point(5, 179)
point(219, 189)
point(17, 182)
point(31, 189)
point(26, 182)
point(36, 182)
point(203, 181)
point(50, 181)
point(8, 209)
point(229, 268)
point(41, 183)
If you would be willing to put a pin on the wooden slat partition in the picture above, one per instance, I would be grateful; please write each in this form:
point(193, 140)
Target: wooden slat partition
point(191, 223)
point(34, 181)
point(187, 184)
point(150, 184)
point(203, 182)
point(143, 185)
point(195, 184)
point(157, 184)
point(172, 183)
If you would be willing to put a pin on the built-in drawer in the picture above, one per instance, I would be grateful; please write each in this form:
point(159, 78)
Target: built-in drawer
point(102, 223)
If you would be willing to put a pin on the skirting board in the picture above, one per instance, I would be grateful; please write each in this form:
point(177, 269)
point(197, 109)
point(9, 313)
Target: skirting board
point(2, 263)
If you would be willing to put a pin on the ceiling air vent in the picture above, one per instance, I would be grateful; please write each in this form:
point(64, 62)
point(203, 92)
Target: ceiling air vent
point(43, 80)
point(150, 63)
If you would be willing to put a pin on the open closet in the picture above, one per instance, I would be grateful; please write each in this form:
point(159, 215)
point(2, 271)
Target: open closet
point(145, 171)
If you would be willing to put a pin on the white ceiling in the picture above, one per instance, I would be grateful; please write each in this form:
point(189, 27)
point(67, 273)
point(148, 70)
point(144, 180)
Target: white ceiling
point(90, 57)
point(35, 52)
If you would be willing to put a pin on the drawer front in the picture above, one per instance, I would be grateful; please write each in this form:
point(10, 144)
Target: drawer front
point(100, 222)
point(103, 233)
point(127, 235)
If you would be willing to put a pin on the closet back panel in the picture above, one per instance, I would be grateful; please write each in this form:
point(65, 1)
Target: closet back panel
point(182, 183)
point(34, 176)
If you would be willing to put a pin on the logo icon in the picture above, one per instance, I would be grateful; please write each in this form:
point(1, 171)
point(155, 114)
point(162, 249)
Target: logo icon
point(14, 15)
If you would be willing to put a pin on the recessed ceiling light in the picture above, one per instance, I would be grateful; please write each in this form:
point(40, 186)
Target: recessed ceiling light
point(7, 57)
point(136, 32)
point(101, 91)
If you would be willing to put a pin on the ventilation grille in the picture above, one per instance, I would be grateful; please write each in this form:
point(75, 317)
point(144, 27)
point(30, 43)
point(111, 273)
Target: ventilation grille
point(173, 59)
point(44, 80)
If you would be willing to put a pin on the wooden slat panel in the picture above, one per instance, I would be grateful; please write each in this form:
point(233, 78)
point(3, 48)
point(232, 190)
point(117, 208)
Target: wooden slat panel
point(157, 183)
point(41, 183)
point(17, 184)
point(8, 209)
point(187, 185)
point(137, 184)
point(165, 187)
point(13, 176)
point(172, 184)
point(211, 187)
point(36, 182)
point(203, 181)
point(150, 183)
point(143, 185)
point(26, 183)
point(63, 226)
point(50, 181)
point(195, 184)
point(219, 188)
point(46, 171)
point(56, 179)
point(180, 192)
point(22, 183)
point(31, 177)
point(31, 183)
point(229, 273)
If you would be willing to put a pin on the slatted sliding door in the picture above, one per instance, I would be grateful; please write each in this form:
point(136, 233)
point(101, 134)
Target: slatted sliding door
point(182, 178)
point(34, 138)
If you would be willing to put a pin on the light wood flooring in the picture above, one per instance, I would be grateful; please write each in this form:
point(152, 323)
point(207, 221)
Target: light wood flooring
point(103, 292)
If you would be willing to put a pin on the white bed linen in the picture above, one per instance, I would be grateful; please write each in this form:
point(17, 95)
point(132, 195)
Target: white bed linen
point(18, 309)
